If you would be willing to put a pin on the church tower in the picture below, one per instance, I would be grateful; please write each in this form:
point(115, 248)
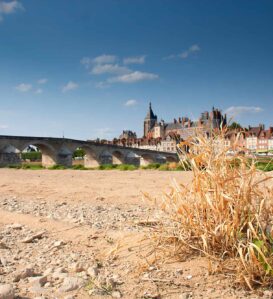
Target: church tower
point(149, 121)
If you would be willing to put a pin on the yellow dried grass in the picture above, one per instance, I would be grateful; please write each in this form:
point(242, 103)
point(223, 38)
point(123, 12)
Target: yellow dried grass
point(225, 214)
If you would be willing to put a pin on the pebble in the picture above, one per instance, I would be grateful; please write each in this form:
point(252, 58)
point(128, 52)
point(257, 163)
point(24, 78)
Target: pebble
point(22, 274)
point(38, 280)
point(93, 271)
point(6, 291)
point(71, 284)
point(116, 294)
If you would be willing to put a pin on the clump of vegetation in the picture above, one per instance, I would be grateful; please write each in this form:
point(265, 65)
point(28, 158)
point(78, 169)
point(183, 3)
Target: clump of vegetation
point(226, 213)
point(151, 166)
point(118, 167)
point(126, 167)
point(27, 166)
point(32, 156)
point(57, 167)
point(264, 166)
point(80, 167)
point(107, 167)
point(173, 166)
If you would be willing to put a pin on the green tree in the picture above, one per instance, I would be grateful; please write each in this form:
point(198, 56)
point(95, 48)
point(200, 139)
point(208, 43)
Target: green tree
point(234, 126)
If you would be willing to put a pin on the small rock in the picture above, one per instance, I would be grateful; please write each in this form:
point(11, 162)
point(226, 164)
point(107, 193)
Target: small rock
point(78, 267)
point(58, 244)
point(189, 277)
point(268, 294)
point(71, 284)
point(31, 238)
point(6, 291)
point(184, 296)
point(38, 280)
point(93, 271)
point(16, 226)
point(3, 246)
point(116, 294)
point(27, 272)
point(3, 261)
point(48, 271)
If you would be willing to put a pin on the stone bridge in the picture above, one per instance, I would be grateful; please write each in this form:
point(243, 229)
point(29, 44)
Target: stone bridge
point(59, 151)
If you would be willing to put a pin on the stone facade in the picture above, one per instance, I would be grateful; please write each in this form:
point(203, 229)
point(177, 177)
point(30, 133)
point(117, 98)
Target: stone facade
point(182, 127)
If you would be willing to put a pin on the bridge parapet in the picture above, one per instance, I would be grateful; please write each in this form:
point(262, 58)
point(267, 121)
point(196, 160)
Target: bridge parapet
point(60, 151)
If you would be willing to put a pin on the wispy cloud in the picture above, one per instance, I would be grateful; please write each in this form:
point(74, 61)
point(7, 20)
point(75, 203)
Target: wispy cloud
point(70, 86)
point(110, 69)
point(133, 77)
point(39, 91)
point(9, 7)
point(23, 87)
point(130, 103)
point(102, 59)
point(42, 81)
point(239, 110)
point(105, 59)
point(191, 49)
point(185, 54)
point(3, 127)
point(134, 60)
point(102, 85)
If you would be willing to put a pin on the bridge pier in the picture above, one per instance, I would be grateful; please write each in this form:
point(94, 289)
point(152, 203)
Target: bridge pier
point(7, 159)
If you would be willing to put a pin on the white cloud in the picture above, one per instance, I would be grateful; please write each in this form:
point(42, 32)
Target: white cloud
point(3, 127)
point(130, 103)
point(134, 60)
point(39, 91)
point(104, 59)
point(42, 81)
point(239, 110)
point(10, 7)
point(185, 54)
point(24, 87)
point(109, 69)
point(102, 85)
point(191, 49)
point(133, 77)
point(86, 61)
point(70, 86)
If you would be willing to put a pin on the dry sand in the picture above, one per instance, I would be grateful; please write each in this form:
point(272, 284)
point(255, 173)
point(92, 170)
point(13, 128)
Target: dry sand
point(92, 239)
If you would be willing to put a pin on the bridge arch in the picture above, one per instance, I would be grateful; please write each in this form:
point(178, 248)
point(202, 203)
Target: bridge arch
point(105, 157)
point(118, 157)
point(171, 159)
point(160, 159)
point(146, 159)
point(91, 158)
point(132, 158)
point(49, 153)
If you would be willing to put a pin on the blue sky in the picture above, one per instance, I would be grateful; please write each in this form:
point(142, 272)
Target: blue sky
point(88, 68)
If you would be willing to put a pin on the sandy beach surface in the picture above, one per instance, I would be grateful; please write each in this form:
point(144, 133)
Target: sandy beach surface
point(85, 234)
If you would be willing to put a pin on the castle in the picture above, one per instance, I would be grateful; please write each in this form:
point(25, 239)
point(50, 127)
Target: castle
point(183, 127)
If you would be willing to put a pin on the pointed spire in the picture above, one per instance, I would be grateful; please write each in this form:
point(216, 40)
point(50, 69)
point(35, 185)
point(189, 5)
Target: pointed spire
point(150, 113)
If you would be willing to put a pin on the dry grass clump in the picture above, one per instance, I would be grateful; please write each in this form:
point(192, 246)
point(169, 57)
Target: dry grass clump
point(226, 213)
